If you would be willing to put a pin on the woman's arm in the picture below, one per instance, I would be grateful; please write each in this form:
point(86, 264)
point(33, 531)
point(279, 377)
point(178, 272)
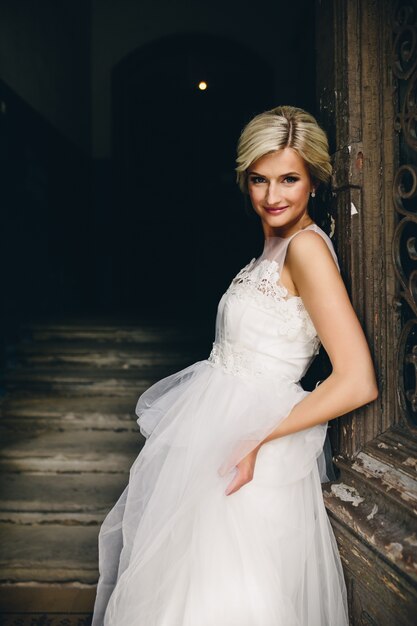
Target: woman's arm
point(352, 382)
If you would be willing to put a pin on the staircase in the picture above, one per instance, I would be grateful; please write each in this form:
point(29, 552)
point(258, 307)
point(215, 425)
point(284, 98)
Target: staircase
point(68, 437)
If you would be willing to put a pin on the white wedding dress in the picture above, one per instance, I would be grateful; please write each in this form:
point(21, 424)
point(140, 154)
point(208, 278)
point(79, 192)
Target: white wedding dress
point(175, 550)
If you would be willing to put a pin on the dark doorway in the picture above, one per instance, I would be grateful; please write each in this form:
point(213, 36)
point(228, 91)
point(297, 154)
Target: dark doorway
point(178, 215)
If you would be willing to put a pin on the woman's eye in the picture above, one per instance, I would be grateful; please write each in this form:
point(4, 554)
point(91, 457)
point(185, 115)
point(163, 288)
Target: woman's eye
point(256, 180)
point(291, 179)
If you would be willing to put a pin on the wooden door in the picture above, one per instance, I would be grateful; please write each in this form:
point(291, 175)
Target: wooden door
point(366, 94)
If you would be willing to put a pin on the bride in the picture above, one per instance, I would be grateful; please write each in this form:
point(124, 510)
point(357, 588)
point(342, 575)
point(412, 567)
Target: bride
point(223, 522)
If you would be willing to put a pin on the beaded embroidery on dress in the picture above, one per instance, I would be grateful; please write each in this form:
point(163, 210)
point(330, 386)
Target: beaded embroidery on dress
point(175, 550)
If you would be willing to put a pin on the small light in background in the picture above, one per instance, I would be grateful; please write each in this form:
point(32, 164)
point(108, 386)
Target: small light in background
point(202, 85)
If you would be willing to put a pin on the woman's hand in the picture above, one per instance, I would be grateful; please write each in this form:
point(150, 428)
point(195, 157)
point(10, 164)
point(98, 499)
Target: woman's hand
point(245, 470)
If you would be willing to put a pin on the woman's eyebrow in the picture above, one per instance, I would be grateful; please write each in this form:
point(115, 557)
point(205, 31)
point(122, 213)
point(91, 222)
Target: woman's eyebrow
point(281, 175)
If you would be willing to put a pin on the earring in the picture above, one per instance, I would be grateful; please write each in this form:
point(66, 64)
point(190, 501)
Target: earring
point(313, 194)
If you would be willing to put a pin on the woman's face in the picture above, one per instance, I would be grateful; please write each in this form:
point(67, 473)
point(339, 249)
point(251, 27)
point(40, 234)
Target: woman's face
point(279, 186)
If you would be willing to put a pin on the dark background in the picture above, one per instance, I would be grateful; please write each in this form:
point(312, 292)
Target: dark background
point(118, 193)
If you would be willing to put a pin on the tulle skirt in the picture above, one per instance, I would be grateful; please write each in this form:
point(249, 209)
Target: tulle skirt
point(176, 551)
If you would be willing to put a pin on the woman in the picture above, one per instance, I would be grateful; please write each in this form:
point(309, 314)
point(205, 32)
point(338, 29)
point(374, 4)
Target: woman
point(223, 521)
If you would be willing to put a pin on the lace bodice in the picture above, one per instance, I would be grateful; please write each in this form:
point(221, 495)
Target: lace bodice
point(262, 329)
point(261, 284)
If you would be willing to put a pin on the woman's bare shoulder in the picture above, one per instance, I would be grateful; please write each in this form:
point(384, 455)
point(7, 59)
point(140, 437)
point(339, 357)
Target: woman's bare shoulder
point(312, 248)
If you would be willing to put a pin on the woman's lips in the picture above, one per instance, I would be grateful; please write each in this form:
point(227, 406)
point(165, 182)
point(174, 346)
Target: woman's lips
point(275, 211)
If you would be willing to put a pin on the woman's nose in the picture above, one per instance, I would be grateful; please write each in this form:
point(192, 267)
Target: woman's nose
point(273, 195)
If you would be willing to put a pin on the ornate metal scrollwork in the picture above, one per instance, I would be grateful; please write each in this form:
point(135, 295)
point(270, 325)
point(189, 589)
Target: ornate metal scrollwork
point(405, 41)
point(404, 245)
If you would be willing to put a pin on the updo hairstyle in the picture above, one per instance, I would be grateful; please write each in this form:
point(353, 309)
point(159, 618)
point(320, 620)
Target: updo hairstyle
point(284, 127)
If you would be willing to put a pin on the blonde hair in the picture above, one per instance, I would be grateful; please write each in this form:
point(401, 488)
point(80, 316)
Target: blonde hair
point(278, 128)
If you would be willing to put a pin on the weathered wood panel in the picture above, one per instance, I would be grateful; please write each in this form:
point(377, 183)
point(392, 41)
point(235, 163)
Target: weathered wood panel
point(355, 98)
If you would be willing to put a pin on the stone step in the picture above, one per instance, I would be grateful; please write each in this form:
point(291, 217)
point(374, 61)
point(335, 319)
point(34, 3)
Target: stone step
point(46, 604)
point(172, 334)
point(88, 382)
point(91, 354)
point(69, 452)
point(65, 498)
point(59, 412)
point(45, 553)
